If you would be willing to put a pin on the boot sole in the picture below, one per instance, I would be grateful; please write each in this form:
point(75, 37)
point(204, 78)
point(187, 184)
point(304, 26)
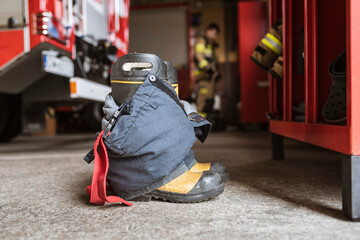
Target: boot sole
point(336, 120)
point(181, 198)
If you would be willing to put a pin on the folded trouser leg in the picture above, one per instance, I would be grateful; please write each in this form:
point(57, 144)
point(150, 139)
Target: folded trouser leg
point(202, 128)
point(149, 141)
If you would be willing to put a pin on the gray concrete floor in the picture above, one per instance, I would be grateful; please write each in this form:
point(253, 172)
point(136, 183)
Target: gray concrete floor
point(43, 182)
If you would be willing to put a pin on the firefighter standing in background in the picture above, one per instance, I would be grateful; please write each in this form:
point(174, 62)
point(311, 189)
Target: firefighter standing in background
point(206, 71)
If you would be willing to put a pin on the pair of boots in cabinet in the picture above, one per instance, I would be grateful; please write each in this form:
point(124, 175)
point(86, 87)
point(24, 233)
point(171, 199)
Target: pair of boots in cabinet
point(268, 53)
point(144, 150)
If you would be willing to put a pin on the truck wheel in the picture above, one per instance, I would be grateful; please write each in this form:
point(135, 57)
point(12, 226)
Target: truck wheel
point(93, 114)
point(10, 122)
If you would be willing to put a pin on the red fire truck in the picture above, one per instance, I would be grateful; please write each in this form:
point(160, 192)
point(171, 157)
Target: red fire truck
point(56, 53)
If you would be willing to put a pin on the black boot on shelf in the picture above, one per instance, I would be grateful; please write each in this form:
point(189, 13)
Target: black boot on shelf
point(334, 110)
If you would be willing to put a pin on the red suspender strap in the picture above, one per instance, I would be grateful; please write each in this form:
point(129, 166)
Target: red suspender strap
point(97, 190)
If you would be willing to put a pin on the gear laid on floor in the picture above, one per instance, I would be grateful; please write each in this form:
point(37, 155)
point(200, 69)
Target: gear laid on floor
point(144, 150)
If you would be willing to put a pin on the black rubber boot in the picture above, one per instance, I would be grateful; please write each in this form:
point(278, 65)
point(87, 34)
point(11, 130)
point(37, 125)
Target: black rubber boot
point(221, 169)
point(334, 109)
point(172, 76)
point(207, 187)
point(212, 168)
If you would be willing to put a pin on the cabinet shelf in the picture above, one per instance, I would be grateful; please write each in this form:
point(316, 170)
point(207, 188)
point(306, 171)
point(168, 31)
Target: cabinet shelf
point(329, 27)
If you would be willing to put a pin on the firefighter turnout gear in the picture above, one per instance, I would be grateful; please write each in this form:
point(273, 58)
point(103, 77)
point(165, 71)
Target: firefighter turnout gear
point(277, 70)
point(205, 73)
point(269, 48)
point(144, 150)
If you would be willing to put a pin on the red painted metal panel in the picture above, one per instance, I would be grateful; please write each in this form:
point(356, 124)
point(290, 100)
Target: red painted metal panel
point(275, 13)
point(122, 36)
point(35, 39)
point(297, 79)
point(111, 17)
point(310, 49)
point(252, 28)
point(287, 53)
point(348, 63)
point(11, 45)
point(354, 75)
point(332, 137)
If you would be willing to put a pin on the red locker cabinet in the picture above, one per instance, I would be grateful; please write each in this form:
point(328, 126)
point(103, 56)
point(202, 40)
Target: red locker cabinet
point(252, 26)
point(329, 27)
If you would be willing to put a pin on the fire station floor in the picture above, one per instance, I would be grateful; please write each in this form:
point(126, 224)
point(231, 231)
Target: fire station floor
point(43, 182)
